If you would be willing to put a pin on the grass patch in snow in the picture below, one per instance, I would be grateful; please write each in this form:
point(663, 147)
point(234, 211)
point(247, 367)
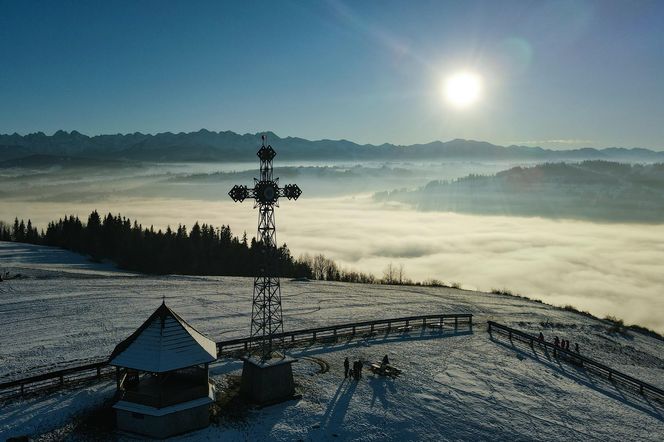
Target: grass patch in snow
point(229, 407)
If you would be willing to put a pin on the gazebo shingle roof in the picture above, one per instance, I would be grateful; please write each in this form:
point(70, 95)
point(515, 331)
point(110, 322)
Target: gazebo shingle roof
point(165, 342)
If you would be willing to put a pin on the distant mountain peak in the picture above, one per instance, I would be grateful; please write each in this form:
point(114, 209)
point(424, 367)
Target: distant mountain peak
point(206, 145)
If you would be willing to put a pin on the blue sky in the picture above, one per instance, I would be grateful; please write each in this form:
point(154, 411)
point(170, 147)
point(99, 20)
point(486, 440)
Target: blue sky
point(557, 74)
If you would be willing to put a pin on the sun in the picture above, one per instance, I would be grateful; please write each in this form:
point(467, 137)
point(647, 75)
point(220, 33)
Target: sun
point(463, 89)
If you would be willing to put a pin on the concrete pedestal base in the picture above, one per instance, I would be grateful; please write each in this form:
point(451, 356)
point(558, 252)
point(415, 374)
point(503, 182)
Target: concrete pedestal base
point(162, 427)
point(267, 382)
point(160, 423)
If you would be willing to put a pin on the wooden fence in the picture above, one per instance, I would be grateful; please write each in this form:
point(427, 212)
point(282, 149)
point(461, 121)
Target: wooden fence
point(333, 332)
point(71, 376)
point(580, 360)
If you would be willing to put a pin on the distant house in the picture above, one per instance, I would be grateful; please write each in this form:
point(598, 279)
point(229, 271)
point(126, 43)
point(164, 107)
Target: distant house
point(163, 381)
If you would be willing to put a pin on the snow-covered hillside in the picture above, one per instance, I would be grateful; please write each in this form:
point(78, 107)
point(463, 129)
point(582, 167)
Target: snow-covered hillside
point(462, 386)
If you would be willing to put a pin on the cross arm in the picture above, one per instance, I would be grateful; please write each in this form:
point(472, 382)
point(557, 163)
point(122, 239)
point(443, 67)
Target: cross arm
point(240, 193)
point(290, 191)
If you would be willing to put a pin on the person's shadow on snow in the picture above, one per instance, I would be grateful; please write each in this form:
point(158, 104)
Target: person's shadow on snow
point(379, 387)
point(338, 406)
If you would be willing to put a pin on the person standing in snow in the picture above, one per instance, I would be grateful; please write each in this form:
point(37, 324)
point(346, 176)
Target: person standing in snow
point(386, 361)
point(346, 366)
point(576, 347)
point(556, 341)
point(541, 337)
point(359, 370)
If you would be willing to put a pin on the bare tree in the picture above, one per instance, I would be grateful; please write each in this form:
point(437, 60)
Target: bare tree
point(324, 268)
point(395, 274)
point(318, 266)
point(389, 274)
point(331, 270)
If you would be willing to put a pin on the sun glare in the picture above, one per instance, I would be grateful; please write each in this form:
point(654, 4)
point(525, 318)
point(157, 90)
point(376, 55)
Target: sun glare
point(463, 89)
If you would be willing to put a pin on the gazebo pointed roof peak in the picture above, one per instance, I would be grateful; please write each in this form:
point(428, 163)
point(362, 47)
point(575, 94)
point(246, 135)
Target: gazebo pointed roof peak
point(165, 342)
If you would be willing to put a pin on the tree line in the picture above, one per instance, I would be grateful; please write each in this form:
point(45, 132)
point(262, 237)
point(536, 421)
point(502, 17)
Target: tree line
point(201, 250)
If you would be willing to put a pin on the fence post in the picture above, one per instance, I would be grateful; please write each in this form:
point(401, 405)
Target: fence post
point(22, 389)
point(353, 330)
point(372, 328)
point(389, 326)
point(335, 334)
point(456, 322)
point(407, 323)
point(292, 338)
point(489, 327)
point(314, 336)
point(98, 372)
point(424, 322)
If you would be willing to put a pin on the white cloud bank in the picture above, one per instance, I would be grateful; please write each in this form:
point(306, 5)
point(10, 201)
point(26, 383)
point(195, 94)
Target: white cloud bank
point(612, 269)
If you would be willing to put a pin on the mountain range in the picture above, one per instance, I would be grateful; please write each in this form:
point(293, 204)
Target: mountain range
point(205, 145)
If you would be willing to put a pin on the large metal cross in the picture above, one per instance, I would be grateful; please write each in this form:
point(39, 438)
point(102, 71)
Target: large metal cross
point(266, 317)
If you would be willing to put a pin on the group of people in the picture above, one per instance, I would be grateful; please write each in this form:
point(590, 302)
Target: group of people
point(355, 372)
point(560, 343)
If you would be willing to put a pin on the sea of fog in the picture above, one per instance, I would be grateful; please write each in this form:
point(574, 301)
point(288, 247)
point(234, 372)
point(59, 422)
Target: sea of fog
point(607, 269)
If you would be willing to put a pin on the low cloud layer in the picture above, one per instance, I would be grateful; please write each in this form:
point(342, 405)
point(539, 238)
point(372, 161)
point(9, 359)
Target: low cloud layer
point(604, 268)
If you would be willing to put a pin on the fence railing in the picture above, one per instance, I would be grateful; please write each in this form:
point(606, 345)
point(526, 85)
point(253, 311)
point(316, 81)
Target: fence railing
point(69, 376)
point(54, 380)
point(577, 359)
point(328, 333)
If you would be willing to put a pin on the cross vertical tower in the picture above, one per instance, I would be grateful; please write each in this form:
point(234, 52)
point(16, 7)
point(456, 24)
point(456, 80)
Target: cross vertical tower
point(266, 317)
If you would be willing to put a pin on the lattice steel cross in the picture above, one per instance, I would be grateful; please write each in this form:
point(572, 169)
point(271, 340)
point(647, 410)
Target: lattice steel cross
point(266, 317)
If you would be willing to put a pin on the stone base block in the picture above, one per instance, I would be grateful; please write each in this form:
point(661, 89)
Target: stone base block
point(267, 382)
point(162, 427)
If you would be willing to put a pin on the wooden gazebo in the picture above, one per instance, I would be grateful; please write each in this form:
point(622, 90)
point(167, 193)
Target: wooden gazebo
point(162, 377)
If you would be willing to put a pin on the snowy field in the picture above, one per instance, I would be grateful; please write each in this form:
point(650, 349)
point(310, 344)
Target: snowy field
point(461, 386)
